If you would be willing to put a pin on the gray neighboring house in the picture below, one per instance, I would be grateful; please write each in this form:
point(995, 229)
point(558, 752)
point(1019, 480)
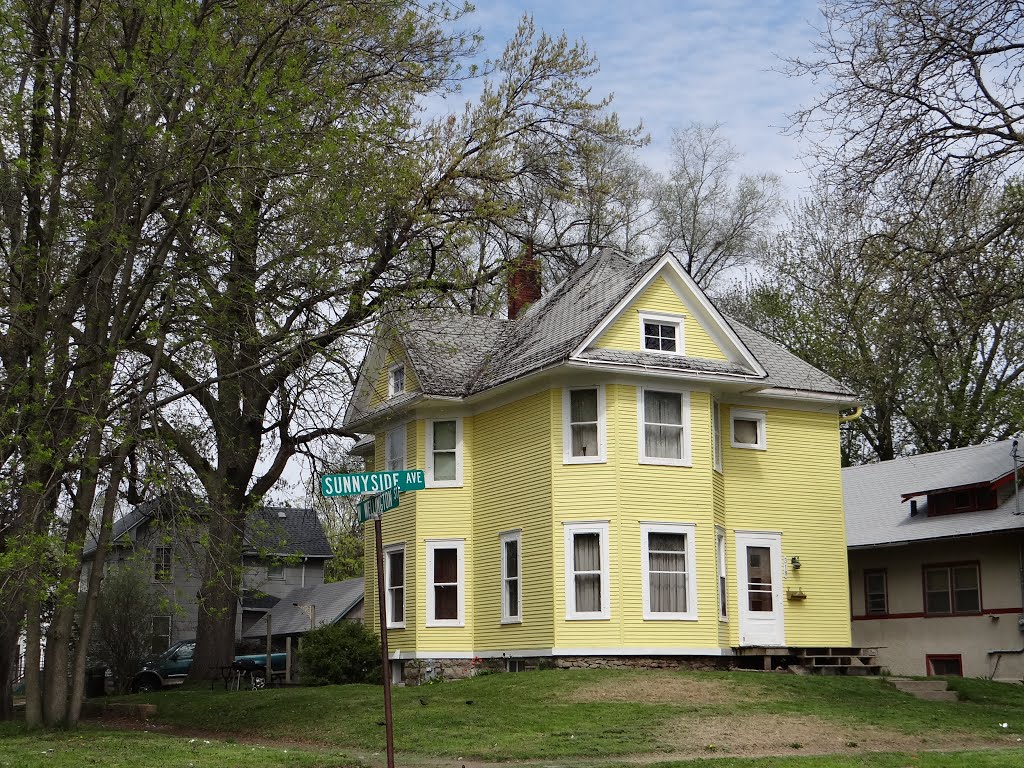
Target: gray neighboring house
point(935, 544)
point(285, 549)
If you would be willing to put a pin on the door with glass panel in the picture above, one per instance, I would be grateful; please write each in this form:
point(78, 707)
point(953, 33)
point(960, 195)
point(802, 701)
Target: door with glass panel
point(759, 573)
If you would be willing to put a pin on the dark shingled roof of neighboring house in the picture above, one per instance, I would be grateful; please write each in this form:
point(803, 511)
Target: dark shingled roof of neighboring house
point(278, 530)
point(332, 603)
point(873, 496)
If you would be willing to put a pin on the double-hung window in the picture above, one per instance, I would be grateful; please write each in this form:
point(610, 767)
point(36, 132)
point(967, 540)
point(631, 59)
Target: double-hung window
point(587, 593)
point(748, 429)
point(669, 587)
point(661, 333)
point(583, 425)
point(394, 449)
point(163, 564)
point(160, 636)
point(445, 583)
point(664, 427)
point(511, 578)
point(396, 380)
point(952, 590)
point(444, 453)
point(394, 585)
point(876, 599)
point(723, 593)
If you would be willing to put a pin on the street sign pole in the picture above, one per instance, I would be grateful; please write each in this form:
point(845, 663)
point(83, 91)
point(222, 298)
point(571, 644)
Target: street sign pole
point(385, 667)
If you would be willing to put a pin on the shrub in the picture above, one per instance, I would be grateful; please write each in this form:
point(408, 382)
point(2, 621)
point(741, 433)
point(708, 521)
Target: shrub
point(346, 652)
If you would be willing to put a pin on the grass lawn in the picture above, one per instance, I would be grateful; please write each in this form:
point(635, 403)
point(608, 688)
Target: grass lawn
point(579, 718)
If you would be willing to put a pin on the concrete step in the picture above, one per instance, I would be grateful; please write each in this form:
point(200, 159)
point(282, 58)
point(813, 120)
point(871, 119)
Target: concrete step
point(917, 686)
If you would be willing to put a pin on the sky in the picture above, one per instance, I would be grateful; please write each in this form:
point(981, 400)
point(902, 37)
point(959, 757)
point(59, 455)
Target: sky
point(672, 63)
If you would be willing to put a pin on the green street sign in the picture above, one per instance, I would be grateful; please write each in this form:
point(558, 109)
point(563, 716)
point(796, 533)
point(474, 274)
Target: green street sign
point(376, 505)
point(372, 482)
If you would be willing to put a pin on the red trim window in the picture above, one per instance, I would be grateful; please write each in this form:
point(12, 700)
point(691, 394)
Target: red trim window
point(944, 664)
point(952, 590)
point(876, 593)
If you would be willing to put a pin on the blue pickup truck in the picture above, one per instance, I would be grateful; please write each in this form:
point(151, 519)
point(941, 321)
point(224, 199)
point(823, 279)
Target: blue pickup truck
point(172, 666)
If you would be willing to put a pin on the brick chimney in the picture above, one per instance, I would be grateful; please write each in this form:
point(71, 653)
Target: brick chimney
point(523, 282)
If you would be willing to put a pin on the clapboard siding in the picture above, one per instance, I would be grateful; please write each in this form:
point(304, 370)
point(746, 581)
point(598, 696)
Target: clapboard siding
point(512, 489)
point(794, 487)
point(624, 333)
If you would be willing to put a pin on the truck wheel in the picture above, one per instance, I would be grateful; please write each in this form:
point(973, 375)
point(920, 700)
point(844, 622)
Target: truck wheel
point(147, 684)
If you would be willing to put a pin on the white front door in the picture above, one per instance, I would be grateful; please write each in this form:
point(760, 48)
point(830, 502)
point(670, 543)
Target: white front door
point(759, 573)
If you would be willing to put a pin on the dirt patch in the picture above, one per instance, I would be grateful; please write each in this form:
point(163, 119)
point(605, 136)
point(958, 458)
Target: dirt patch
point(758, 735)
point(660, 688)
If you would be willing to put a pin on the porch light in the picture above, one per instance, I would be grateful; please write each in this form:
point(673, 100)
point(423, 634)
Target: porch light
point(795, 562)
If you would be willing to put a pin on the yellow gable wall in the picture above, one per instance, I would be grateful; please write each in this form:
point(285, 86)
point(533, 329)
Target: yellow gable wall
point(795, 488)
point(394, 355)
point(625, 332)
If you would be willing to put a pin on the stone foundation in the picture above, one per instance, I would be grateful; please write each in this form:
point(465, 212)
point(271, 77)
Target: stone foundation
point(421, 671)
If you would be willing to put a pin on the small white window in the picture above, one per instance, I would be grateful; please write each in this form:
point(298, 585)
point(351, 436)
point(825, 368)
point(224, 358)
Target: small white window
point(661, 333)
point(444, 453)
point(664, 427)
point(669, 583)
point(394, 585)
point(394, 449)
point(275, 571)
point(396, 380)
point(445, 583)
point(748, 429)
point(511, 578)
point(583, 425)
point(723, 601)
point(716, 435)
point(587, 592)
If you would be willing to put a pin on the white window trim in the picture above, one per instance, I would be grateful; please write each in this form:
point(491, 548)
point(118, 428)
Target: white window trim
point(281, 574)
point(602, 455)
point(402, 440)
point(392, 389)
point(517, 537)
point(762, 428)
point(723, 604)
point(689, 530)
point(716, 435)
point(571, 614)
point(664, 319)
point(686, 460)
point(430, 481)
point(459, 546)
point(164, 577)
point(387, 586)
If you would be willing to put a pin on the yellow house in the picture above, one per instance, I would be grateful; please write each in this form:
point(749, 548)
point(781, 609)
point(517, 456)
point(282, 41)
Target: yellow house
point(618, 474)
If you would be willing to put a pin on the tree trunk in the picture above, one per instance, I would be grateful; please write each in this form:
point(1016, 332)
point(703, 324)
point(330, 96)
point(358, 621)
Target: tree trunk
point(8, 659)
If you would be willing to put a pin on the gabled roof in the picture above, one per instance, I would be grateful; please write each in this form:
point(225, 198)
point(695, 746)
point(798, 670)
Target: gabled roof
point(876, 513)
point(457, 355)
point(333, 602)
point(284, 531)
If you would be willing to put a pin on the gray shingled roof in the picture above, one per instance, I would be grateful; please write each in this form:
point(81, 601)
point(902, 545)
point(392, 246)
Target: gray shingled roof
point(333, 602)
point(876, 514)
point(785, 370)
point(280, 530)
point(458, 355)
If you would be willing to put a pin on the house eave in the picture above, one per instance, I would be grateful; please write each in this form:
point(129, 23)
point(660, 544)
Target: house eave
point(581, 364)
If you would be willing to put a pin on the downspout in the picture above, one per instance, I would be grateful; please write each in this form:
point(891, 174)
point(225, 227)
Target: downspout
point(857, 412)
point(303, 571)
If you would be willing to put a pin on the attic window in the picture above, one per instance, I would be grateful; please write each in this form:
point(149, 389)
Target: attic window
point(661, 333)
point(396, 380)
point(962, 500)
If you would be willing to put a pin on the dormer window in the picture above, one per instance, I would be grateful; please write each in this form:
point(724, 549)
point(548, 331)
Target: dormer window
point(396, 380)
point(661, 333)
